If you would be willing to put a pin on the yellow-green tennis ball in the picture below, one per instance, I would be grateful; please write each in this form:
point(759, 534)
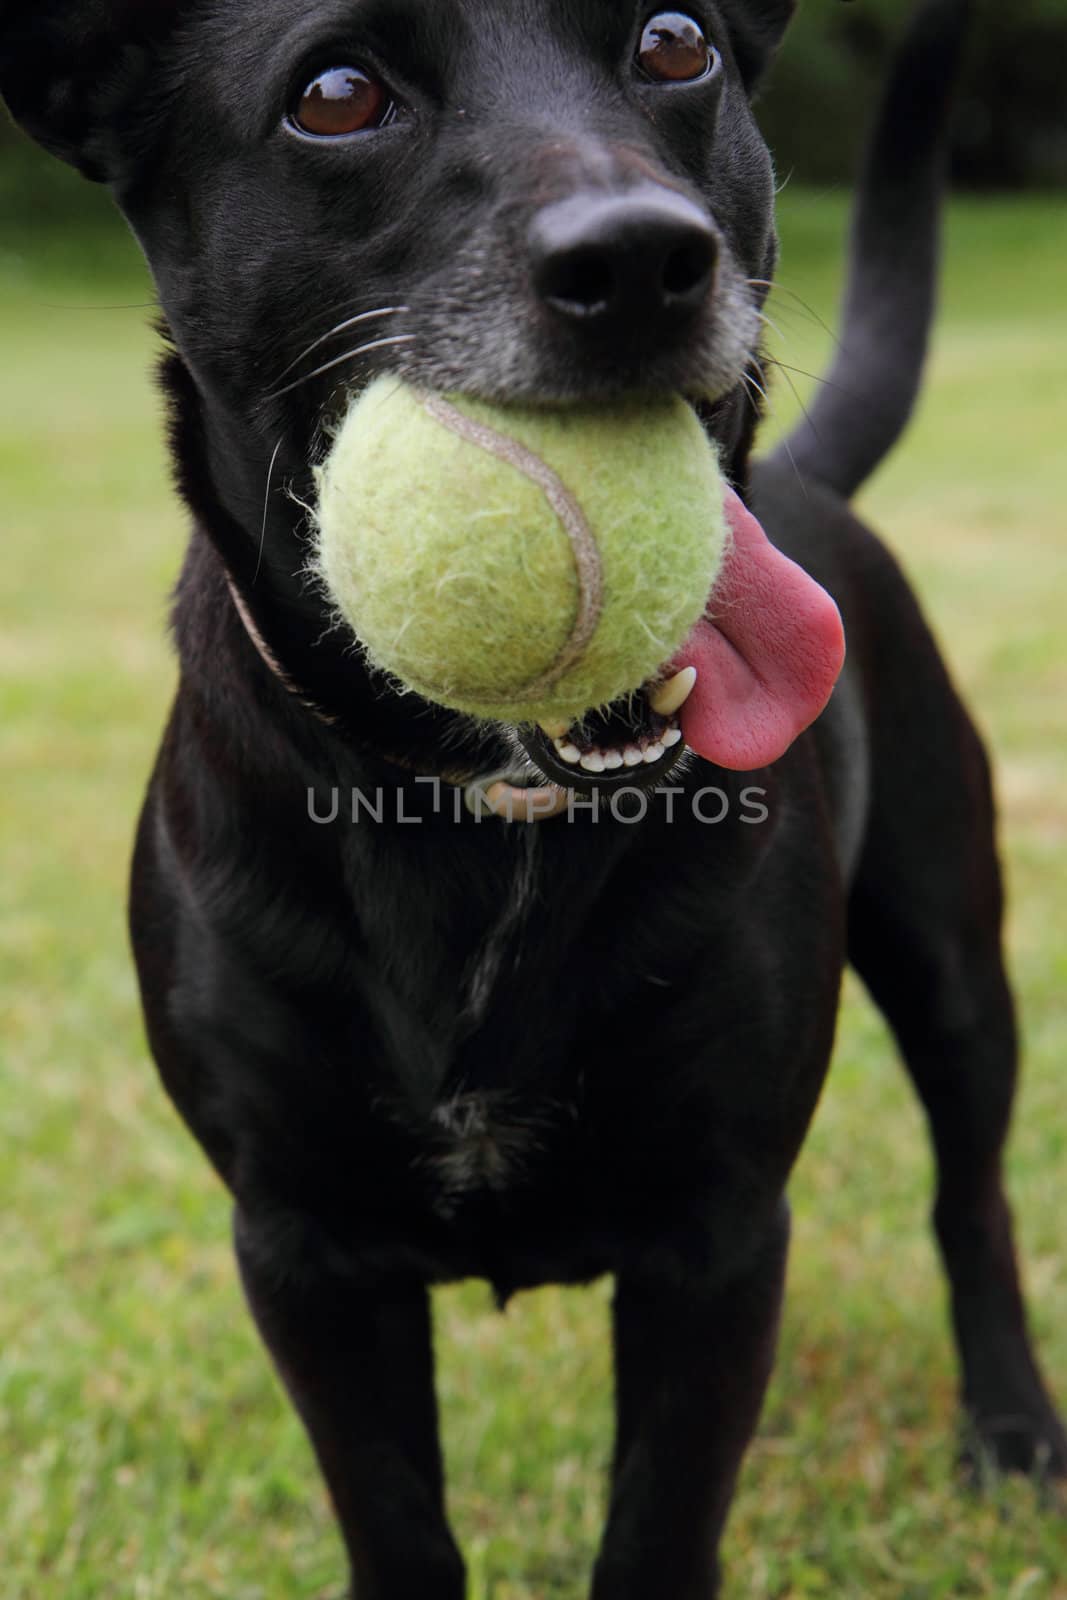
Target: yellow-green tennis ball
point(521, 564)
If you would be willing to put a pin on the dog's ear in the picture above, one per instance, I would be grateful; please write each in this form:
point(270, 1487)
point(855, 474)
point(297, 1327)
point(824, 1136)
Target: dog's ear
point(756, 28)
point(70, 69)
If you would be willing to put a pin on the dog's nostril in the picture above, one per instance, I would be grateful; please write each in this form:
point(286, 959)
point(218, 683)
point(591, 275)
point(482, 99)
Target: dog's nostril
point(640, 262)
point(687, 270)
point(581, 281)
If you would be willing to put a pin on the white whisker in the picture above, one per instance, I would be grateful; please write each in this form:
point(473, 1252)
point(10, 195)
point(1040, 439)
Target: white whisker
point(770, 323)
point(785, 441)
point(787, 447)
point(776, 287)
point(796, 392)
point(341, 327)
point(747, 378)
point(349, 355)
point(266, 503)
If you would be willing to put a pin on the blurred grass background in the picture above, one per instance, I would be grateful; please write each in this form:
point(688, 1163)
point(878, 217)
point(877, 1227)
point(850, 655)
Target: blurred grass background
point(145, 1448)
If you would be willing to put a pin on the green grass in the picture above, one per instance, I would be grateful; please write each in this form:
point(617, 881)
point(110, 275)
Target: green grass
point(146, 1450)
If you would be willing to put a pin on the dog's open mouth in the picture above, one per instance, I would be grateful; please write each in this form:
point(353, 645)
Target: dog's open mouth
point(635, 742)
point(755, 671)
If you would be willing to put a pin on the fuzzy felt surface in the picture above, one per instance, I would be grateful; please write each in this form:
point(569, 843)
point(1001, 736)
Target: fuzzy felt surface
point(519, 564)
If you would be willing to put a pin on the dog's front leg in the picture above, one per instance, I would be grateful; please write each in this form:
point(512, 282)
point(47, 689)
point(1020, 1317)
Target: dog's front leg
point(692, 1368)
point(357, 1361)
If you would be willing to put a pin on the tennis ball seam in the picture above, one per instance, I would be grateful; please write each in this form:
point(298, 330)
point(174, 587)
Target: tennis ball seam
point(457, 575)
point(588, 563)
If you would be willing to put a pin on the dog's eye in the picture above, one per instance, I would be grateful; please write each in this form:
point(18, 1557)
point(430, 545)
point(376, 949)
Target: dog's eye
point(340, 101)
point(673, 49)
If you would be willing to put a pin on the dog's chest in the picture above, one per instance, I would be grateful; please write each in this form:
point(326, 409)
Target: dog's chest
point(494, 1142)
point(503, 941)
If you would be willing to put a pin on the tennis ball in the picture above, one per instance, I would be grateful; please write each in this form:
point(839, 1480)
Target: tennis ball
point(519, 564)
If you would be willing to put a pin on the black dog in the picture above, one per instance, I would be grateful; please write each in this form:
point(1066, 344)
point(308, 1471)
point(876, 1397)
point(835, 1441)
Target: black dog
point(530, 1052)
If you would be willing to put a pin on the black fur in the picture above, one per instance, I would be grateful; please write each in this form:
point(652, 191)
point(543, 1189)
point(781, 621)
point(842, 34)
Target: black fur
point(422, 1049)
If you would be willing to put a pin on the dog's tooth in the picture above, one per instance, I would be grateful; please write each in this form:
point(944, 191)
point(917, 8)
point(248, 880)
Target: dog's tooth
point(672, 737)
point(669, 697)
point(593, 762)
point(555, 730)
point(569, 752)
point(631, 756)
point(652, 754)
point(612, 760)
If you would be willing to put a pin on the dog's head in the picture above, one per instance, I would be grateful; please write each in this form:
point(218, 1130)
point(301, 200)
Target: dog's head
point(540, 200)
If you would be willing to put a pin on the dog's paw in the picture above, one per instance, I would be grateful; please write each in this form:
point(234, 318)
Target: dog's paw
point(1031, 1441)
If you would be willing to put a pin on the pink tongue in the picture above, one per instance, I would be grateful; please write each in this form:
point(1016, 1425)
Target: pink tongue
point(768, 652)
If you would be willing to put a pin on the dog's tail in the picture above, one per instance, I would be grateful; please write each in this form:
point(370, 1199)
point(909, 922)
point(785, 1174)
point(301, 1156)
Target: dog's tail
point(864, 405)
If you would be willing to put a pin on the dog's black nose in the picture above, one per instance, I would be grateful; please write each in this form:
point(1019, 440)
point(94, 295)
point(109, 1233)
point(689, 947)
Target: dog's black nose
point(606, 260)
